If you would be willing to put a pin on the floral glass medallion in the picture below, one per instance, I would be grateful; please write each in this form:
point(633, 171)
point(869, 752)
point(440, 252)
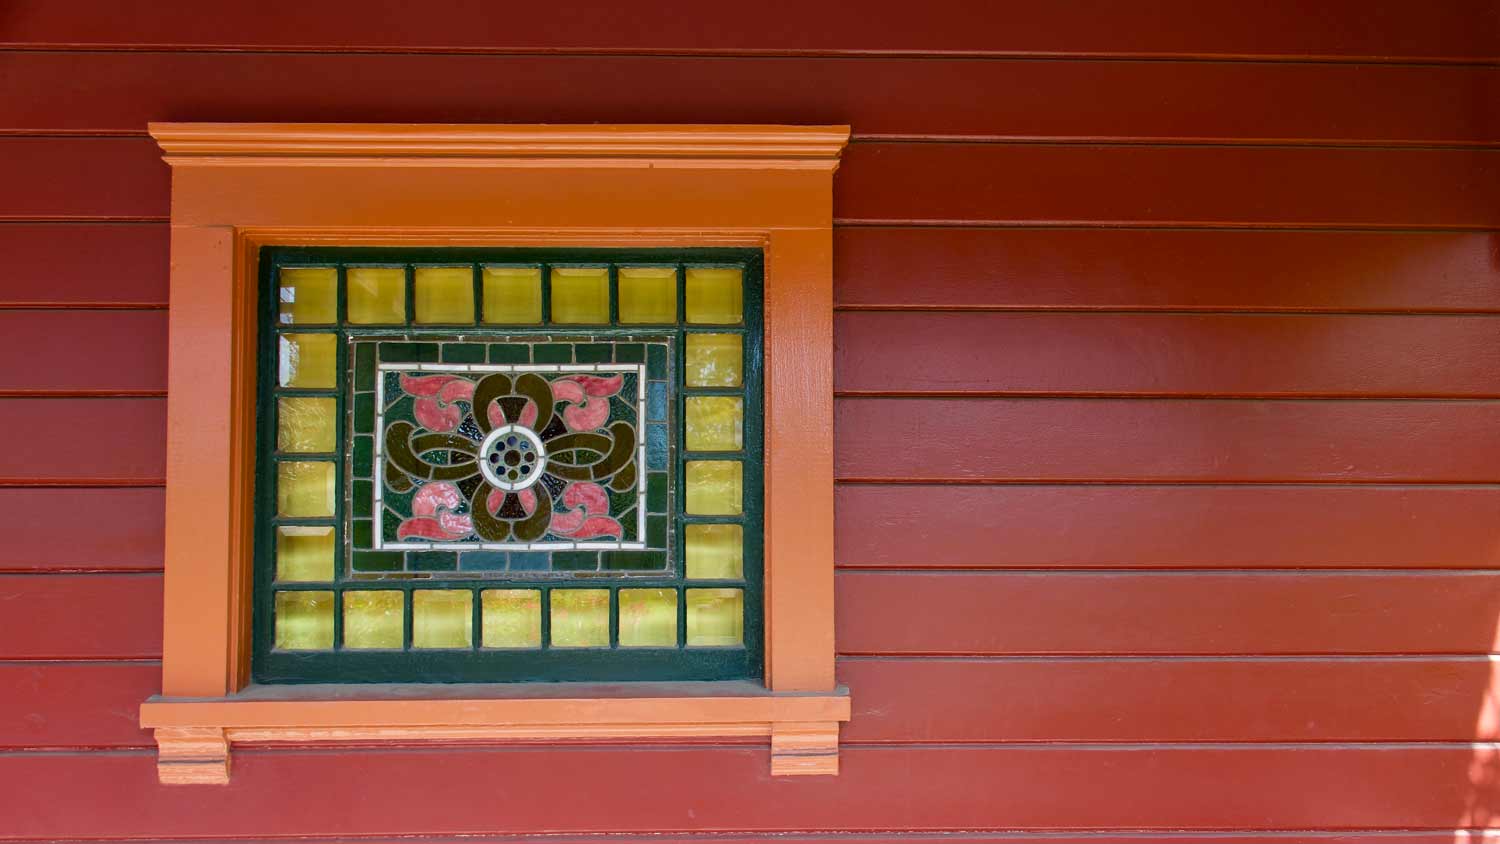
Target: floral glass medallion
point(525, 458)
point(484, 465)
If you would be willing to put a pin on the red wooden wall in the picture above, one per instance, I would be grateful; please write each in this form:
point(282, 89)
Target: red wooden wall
point(1168, 409)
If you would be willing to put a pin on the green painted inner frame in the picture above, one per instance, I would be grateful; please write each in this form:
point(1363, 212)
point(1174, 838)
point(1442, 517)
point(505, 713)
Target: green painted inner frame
point(477, 664)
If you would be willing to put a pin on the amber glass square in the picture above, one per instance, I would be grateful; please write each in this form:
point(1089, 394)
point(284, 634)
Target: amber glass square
point(512, 295)
point(580, 296)
point(648, 295)
point(443, 295)
point(377, 295)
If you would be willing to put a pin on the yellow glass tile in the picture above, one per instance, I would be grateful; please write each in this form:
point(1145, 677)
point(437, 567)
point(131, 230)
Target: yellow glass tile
point(511, 618)
point(442, 618)
point(309, 296)
point(304, 621)
point(377, 295)
point(304, 489)
point(715, 552)
point(580, 296)
point(715, 617)
point(715, 297)
point(306, 424)
point(715, 360)
point(513, 295)
point(714, 487)
point(714, 423)
point(304, 554)
point(308, 361)
point(373, 618)
point(648, 295)
point(648, 618)
point(443, 295)
point(580, 618)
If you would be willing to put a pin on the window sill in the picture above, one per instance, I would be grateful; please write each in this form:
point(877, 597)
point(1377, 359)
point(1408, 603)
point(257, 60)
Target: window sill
point(194, 735)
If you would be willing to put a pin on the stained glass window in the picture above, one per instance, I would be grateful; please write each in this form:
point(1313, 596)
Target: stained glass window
point(503, 465)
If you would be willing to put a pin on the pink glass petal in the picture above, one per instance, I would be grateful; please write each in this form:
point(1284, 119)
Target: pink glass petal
point(434, 496)
point(425, 527)
point(599, 387)
point(566, 389)
point(591, 496)
point(598, 526)
point(585, 417)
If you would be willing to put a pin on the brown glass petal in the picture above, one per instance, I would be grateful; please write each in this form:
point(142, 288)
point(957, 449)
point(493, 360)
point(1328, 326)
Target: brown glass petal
point(536, 388)
point(623, 479)
point(398, 451)
point(620, 454)
point(397, 480)
point(534, 527)
point(489, 388)
point(487, 526)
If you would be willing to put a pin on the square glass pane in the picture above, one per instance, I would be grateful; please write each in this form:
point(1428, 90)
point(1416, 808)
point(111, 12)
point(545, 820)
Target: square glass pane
point(304, 489)
point(442, 618)
point(308, 361)
point(304, 621)
point(377, 295)
point(648, 295)
point(715, 552)
point(308, 296)
point(714, 360)
point(715, 617)
point(715, 423)
point(374, 618)
point(304, 554)
point(306, 424)
point(714, 487)
point(443, 295)
point(512, 618)
point(715, 297)
point(580, 296)
point(648, 618)
point(513, 295)
point(580, 618)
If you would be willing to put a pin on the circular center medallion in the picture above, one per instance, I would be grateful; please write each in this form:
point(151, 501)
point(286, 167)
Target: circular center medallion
point(512, 457)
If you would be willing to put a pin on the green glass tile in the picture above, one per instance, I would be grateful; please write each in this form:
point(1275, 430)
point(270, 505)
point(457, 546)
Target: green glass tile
point(530, 561)
point(409, 352)
point(364, 413)
point(483, 561)
point(510, 353)
point(593, 352)
point(364, 367)
point(463, 353)
point(656, 362)
point(362, 536)
point(363, 455)
point(656, 492)
point(553, 353)
point(368, 561)
point(433, 560)
point(656, 531)
point(630, 353)
point(635, 560)
point(575, 561)
point(364, 491)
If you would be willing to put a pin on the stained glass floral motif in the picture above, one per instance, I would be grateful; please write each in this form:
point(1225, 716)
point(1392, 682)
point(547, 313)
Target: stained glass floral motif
point(486, 467)
point(504, 458)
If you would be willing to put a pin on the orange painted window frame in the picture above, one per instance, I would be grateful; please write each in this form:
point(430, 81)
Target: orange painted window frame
point(239, 187)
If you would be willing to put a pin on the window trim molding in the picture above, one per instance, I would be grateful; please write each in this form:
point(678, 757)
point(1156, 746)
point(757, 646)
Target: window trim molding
point(239, 187)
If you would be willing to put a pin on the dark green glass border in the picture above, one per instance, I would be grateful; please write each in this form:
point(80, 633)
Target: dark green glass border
point(613, 664)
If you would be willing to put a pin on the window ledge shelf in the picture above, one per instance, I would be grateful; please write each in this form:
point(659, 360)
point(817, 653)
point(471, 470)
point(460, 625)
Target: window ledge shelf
point(194, 735)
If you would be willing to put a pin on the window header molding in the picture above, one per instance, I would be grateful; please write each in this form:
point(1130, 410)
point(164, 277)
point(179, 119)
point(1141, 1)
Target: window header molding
point(815, 147)
point(239, 187)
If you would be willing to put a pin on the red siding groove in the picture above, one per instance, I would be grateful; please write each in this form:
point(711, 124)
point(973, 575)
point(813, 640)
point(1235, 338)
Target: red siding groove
point(1167, 381)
